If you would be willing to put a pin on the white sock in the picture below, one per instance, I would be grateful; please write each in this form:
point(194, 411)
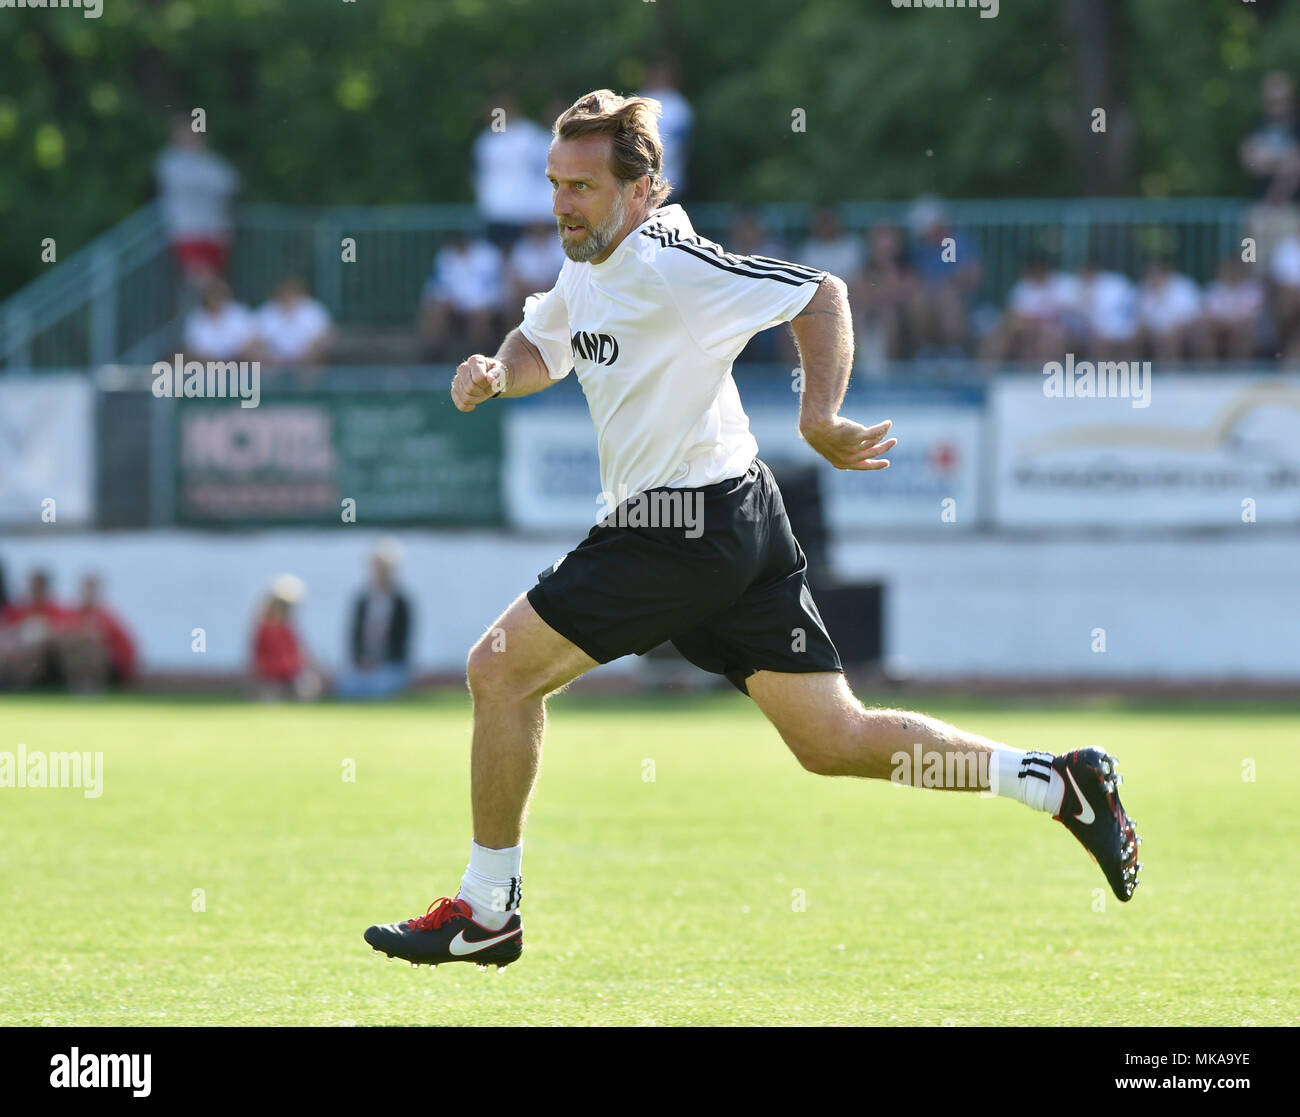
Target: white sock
point(492, 884)
point(1027, 777)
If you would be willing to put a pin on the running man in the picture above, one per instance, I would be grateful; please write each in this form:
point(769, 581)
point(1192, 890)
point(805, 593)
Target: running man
point(651, 316)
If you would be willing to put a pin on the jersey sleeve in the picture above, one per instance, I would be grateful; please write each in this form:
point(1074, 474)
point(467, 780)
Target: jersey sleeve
point(546, 325)
point(725, 299)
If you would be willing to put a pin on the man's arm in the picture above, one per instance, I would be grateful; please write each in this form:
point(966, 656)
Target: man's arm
point(526, 371)
point(516, 370)
point(823, 331)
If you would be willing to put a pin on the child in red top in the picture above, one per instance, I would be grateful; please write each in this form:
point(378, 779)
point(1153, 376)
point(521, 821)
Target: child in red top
point(281, 665)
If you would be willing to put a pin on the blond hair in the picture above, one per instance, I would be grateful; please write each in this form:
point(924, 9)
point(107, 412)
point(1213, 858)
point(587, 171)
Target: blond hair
point(633, 128)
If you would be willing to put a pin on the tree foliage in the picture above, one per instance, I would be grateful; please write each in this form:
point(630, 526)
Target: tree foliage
point(374, 101)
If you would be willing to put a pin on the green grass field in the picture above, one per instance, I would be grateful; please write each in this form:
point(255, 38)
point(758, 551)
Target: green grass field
point(645, 903)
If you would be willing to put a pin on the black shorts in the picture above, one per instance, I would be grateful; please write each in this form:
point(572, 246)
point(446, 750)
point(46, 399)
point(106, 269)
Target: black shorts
point(722, 578)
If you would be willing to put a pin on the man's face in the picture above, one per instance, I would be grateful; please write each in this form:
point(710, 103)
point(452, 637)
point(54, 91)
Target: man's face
point(592, 208)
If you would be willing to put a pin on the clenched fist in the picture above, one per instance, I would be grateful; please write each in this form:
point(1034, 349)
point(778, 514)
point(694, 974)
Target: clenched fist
point(478, 378)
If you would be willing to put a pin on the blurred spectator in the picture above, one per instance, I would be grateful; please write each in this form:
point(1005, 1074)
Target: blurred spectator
point(1169, 313)
point(1039, 307)
point(463, 299)
point(4, 595)
point(33, 645)
point(220, 329)
point(381, 629)
point(281, 666)
point(510, 185)
point(195, 188)
point(1270, 154)
point(886, 300)
point(948, 268)
point(1106, 309)
point(1234, 310)
point(293, 328)
point(534, 264)
point(101, 652)
point(829, 248)
point(1285, 274)
point(675, 124)
point(749, 237)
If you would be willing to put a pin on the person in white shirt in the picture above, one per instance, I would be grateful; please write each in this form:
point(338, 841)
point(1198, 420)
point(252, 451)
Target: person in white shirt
point(509, 172)
point(698, 548)
point(1169, 313)
point(1284, 272)
point(1106, 305)
point(195, 190)
point(1234, 309)
point(464, 295)
point(676, 121)
point(534, 263)
point(294, 329)
point(831, 249)
point(219, 328)
point(1035, 326)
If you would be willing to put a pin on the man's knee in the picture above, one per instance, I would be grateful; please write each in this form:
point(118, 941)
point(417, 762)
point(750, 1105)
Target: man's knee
point(488, 670)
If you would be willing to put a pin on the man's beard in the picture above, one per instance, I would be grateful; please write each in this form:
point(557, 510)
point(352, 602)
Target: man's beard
point(599, 237)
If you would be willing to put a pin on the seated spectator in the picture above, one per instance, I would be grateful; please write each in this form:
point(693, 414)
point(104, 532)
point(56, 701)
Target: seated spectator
point(101, 652)
point(534, 264)
point(462, 300)
point(1039, 307)
point(220, 329)
point(886, 300)
point(281, 666)
point(1284, 271)
point(381, 629)
point(949, 271)
point(1270, 154)
point(1106, 313)
point(1169, 313)
point(749, 237)
point(293, 328)
point(829, 248)
point(1234, 310)
point(33, 638)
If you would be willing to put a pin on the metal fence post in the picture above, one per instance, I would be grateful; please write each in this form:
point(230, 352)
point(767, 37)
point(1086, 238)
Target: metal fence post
point(103, 308)
point(18, 337)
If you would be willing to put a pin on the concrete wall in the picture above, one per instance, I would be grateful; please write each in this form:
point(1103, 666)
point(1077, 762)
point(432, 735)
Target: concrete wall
point(1179, 609)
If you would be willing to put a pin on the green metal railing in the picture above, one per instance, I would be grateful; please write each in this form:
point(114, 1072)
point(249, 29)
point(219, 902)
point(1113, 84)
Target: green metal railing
point(119, 299)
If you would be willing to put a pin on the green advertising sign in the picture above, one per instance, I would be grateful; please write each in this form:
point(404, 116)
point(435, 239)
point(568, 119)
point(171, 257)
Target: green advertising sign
point(402, 457)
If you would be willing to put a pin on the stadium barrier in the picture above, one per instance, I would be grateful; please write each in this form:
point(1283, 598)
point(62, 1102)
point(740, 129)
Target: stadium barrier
point(385, 447)
point(118, 300)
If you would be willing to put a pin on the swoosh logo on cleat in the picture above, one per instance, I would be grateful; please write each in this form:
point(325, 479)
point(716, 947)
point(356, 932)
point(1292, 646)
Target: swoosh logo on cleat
point(1083, 802)
point(460, 946)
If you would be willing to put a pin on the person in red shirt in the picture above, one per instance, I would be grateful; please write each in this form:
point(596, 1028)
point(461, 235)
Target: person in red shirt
point(32, 631)
point(102, 644)
point(281, 666)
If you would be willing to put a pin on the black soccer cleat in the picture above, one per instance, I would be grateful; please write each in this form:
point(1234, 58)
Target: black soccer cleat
point(1091, 811)
point(447, 933)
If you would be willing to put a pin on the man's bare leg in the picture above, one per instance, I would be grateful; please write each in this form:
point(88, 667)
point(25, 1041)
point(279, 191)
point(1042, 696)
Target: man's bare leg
point(511, 670)
point(832, 733)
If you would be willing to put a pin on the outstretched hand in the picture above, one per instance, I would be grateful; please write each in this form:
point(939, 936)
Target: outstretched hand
point(849, 445)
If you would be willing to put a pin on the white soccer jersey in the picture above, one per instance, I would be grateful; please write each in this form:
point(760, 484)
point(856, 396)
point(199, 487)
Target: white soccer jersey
point(653, 332)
